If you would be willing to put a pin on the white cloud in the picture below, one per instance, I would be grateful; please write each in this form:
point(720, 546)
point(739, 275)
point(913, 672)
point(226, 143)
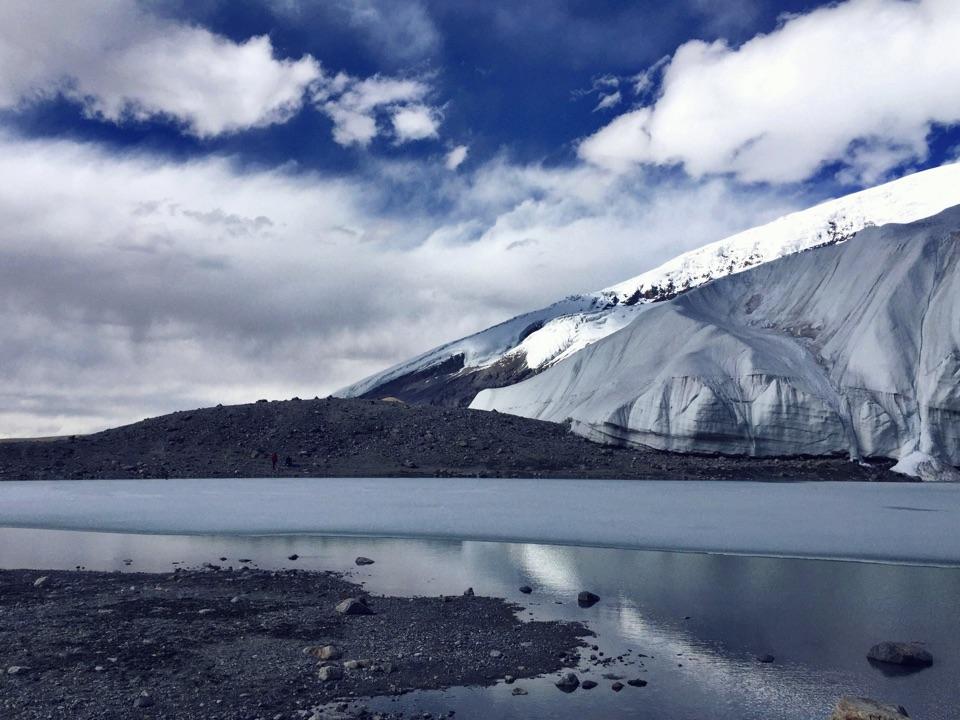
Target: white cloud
point(415, 122)
point(123, 63)
point(354, 105)
point(858, 83)
point(456, 157)
point(608, 101)
point(132, 286)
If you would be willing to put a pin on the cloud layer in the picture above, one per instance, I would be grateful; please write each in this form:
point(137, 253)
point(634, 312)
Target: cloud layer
point(859, 84)
point(131, 286)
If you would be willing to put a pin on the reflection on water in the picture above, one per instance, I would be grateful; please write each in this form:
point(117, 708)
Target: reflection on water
point(703, 619)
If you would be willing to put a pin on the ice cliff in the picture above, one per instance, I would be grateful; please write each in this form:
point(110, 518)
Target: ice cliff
point(852, 347)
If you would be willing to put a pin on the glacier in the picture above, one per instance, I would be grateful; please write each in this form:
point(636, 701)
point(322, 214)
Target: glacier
point(525, 345)
point(849, 348)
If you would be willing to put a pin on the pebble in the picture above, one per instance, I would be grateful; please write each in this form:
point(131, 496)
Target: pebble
point(496, 654)
point(518, 691)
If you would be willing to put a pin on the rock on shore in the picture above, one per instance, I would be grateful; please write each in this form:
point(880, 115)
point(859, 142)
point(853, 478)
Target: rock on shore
point(851, 708)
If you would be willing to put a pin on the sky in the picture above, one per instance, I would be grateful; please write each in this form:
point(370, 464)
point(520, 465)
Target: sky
point(216, 201)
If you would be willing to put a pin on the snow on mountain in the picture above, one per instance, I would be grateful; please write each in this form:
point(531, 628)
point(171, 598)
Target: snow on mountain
point(525, 345)
point(852, 348)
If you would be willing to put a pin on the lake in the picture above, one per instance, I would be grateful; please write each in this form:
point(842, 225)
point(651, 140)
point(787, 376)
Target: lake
point(703, 617)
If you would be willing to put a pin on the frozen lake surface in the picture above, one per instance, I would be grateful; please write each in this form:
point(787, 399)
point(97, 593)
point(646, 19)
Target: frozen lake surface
point(885, 522)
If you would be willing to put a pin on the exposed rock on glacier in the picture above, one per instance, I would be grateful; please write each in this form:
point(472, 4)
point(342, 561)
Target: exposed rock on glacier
point(516, 349)
point(850, 348)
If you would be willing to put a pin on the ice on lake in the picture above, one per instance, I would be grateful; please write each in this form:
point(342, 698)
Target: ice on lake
point(888, 522)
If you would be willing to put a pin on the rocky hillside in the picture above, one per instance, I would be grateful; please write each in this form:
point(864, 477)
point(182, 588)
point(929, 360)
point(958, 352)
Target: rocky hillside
point(356, 438)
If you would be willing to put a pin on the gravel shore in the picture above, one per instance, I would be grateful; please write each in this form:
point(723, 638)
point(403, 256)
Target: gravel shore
point(243, 643)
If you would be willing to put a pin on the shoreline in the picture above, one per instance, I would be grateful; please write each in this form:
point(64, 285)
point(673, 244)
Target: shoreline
point(223, 643)
point(506, 541)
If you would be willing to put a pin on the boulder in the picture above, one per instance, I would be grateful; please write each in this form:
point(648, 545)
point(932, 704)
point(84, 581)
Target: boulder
point(518, 691)
point(526, 589)
point(568, 682)
point(330, 672)
point(587, 599)
point(637, 682)
point(910, 654)
point(854, 708)
point(323, 652)
point(363, 561)
point(468, 592)
point(617, 686)
point(353, 606)
point(588, 684)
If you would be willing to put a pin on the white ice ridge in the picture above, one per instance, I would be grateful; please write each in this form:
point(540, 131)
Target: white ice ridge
point(881, 522)
point(544, 337)
point(852, 348)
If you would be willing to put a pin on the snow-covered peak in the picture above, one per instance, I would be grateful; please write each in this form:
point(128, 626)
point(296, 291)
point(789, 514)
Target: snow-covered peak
point(529, 343)
point(901, 201)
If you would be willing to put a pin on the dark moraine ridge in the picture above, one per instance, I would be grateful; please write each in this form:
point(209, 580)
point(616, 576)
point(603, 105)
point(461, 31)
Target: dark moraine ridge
point(376, 438)
point(225, 643)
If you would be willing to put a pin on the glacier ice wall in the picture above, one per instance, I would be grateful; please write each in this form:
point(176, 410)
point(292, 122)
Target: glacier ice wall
point(851, 348)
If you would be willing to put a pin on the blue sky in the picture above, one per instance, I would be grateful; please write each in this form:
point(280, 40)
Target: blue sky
point(209, 201)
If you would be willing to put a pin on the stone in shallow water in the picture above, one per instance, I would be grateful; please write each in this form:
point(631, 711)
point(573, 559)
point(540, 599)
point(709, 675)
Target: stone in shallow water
point(910, 654)
point(363, 561)
point(852, 708)
point(568, 682)
point(526, 589)
point(586, 599)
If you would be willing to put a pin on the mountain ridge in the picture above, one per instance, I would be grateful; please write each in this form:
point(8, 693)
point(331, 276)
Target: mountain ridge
point(523, 346)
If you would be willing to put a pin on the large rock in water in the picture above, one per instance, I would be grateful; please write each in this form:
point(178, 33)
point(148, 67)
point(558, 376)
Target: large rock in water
point(852, 348)
point(850, 708)
point(900, 653)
